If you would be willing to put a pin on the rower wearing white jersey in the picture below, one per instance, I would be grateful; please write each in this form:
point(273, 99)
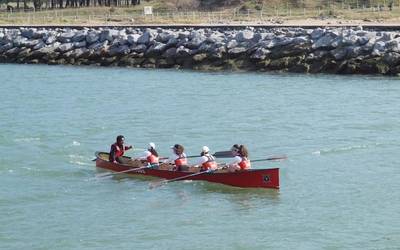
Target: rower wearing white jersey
point(151, 156)
point(206, 161)
point(178, 158)
point(241, 159)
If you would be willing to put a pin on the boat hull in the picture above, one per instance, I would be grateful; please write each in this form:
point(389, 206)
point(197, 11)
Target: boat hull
point(253, 178)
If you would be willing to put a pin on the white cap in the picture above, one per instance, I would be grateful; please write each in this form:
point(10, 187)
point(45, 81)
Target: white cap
point(152, 145)
point(205, 149)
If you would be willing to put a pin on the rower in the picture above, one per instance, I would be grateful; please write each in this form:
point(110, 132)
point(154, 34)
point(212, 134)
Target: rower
point(178, 158)
point(151, 156)
point(207, 161)
point(241, 159)
point(117, 151)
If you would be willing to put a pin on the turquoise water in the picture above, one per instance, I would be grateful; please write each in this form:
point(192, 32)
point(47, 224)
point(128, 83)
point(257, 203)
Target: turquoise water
point(339, 187)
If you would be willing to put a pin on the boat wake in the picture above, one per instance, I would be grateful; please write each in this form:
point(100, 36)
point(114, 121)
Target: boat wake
point(79, 160)
point(27, 139)
point(346, 149)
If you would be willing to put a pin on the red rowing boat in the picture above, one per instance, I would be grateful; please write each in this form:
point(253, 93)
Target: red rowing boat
point(253, 178)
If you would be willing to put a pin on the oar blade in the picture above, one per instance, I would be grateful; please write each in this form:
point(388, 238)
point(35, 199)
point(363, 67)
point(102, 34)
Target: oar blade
point(223, 154)
point(103, 175)
point(156, 184)
point(277, 158)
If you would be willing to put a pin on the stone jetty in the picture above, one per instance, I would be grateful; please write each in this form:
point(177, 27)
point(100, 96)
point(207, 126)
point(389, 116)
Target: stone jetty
point(321, 50)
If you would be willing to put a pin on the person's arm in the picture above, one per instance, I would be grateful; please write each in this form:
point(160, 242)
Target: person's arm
point(145, 155)
point(172, 158)
point(201, 160)
point(112, 154)
point(128, 147)
point(235, 160)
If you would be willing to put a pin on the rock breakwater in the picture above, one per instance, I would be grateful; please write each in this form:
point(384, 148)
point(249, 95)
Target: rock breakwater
point(321, 50)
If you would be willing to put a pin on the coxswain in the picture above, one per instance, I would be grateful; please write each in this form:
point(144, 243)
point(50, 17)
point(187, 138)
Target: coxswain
point(178, 158)
point(241, 159)
point(118, 149)
point(206, 161)
point(151, 156)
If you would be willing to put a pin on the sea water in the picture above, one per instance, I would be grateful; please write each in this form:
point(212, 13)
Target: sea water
point(339, 186)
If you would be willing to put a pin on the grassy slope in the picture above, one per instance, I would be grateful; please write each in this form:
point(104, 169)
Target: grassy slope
point(182, 11)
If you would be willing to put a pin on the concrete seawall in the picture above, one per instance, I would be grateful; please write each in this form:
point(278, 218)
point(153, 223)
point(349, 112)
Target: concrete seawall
point(342, 50)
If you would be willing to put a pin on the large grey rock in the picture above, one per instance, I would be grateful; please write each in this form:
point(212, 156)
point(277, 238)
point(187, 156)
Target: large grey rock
point(119, 41)
point(245, 35)
point(40, 45)
point(196, 42)
point(65, 47)
point(379, 46)
point(24, 53)
point(392, 58)
point(20, 41)
point(350, 40)
point(362, 40)
point(66, 37)
point(139, 48)
point(145, 38)
point(13, 51)
point(80, 44)
point(260, 54)
point(173, 42)
point(43, 52)
point(98, 46)
point(79, 36)
point(237, 51)
point(79, 52)
point(92, 37)
point(30, 33)
point(393, 45)
point(339, 53)
point(182, 52)
point(6, 47)
point(51, 39)
point(170, 53)
point(232, 44)
point(132, 38)
point(353, 51)
point(165, 36)
point(317, 33)
point(117, 51)
point(206, 48)
point(215, 37)
point(183, 34)
point(387, 36)
point(156, 49)
point(324, 42)
point(32, 43)
point(108, 34)
point(277, 42)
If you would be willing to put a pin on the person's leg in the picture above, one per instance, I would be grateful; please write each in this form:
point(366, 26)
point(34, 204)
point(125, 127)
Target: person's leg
point(123, 160)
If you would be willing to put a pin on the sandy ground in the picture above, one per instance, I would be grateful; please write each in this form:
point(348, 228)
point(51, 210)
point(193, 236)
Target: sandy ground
point(310, 22)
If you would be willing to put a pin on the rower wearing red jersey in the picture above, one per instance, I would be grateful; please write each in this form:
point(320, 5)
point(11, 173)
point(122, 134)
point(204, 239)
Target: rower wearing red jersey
point(207, 161)
point(178, 158)
point(118, 149)
point(151, 156)
point(241, 160)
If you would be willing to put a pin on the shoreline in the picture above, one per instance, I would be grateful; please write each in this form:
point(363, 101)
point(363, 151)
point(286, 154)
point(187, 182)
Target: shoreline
point(337, 50)
point(366, 26)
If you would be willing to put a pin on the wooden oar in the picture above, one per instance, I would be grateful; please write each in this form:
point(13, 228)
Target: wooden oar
point(163, 182)
point(103, 175)
point(219, 154)
point(272, 158)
